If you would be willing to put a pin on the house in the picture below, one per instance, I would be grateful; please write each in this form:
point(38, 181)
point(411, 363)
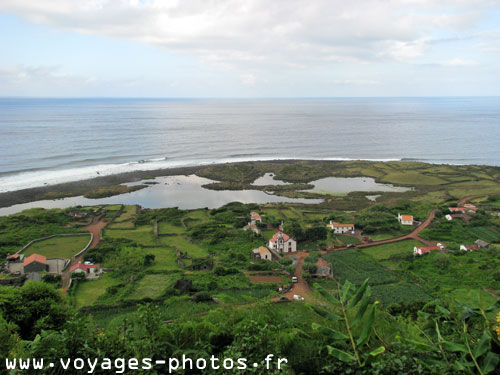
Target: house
point(468, 248)
point(457, 209)
point(255, 217)
point(470, 207)
point(79, 214)
point(262, 253)
point(35, 263)
point(15, 258)
point(91, 271)
point(323, 268)
point(283, 243)
point(421, 250)
point(448, 217)
point(481, 244)
point(253, 227)
point(339, 228)
point(405, 219)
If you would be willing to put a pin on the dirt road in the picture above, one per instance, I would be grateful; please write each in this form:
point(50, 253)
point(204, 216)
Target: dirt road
point(95, 227)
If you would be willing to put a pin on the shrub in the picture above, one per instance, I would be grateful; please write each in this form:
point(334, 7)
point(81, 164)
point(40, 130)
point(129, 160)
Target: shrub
point(202, 297)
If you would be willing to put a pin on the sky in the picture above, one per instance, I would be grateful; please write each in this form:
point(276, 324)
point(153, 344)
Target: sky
point(249, 48)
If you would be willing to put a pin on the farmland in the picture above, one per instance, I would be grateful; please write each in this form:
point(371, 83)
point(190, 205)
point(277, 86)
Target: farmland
point(193, 285)
point(58, 247)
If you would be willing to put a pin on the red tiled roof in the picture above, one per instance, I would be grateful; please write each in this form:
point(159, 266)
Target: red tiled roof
point(322, 263)
point(264, 250)
point(255, 215)
point(426, 249)
point(339, 225)
point(34, 258)
point(83, 267)
point(13, 256)
point(407, 217)
point(286, 237)
point(456, 209)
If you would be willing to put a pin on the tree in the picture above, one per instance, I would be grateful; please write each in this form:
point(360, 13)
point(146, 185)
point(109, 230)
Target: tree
point(33, 307)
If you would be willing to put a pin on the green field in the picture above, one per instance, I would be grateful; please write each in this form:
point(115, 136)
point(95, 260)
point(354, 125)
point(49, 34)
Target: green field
point(485, 233)
point(152, 286)
point(165, 259)
point(181, 243)
point(165, 227)
point(58, 247)
point(143, 235)
point(129, 212)
point(346, 239)
point(400, 249)
point(87, 292)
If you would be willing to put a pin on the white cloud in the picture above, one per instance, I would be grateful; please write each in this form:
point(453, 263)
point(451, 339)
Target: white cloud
point(458, 62)
point(356, 82)
point(245, 32)
point(289, 44)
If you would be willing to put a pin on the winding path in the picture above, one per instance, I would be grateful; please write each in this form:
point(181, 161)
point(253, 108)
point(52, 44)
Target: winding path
point(462, 201)
point(95, 227)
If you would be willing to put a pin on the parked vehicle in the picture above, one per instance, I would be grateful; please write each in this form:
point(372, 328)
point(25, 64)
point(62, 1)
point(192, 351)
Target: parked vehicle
point(295, 279)
point(298, 297)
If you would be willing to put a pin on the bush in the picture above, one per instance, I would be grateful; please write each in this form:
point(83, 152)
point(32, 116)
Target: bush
point(285, 261)
point(222, 271)
point(202, 297)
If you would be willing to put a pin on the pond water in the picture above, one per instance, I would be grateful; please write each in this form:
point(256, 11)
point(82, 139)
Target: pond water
point(344, 185)
point(185, 192)
point(268, 179)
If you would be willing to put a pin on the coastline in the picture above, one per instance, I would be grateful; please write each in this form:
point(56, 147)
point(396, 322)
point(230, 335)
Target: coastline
point(295, 171)
point(81, 187)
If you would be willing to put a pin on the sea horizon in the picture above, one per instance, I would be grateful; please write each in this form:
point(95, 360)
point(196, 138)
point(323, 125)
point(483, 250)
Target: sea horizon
point(82, 138)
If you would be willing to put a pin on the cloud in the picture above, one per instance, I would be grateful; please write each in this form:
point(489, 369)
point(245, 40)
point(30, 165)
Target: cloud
point(458, 62)
point(355, 82)
point(258, 32)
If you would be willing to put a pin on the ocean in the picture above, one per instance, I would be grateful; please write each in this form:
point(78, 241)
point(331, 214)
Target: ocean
point(49, 141)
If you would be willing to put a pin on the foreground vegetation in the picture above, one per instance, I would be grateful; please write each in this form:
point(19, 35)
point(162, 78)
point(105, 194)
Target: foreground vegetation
point(179, 281)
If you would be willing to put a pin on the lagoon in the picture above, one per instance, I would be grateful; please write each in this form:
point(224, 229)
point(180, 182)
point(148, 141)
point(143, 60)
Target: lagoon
point(345, 185)
point(185, 192)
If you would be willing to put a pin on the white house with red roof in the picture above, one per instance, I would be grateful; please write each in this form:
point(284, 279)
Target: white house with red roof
point(262, 253)
point(457, 209)
point(339, 228)
point(282, 243)
point(421, 250)
point(405, 219)
point(91, 271)
point(255, 218)
point(470, 206)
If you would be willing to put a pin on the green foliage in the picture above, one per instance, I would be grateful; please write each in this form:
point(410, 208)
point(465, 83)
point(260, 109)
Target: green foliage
point(33, 307)
point(358, 316)
point(17, 230)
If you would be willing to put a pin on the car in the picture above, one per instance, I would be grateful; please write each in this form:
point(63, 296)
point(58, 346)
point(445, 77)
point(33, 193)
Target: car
point(298, 297)
point(295, 279)
point(283, 298)
point(350, 245)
